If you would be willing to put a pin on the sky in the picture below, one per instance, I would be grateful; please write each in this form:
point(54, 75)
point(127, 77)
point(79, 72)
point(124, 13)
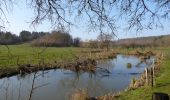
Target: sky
point(20, 17)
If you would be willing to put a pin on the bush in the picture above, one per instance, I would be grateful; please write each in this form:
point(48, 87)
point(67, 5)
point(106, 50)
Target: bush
point(56, 38)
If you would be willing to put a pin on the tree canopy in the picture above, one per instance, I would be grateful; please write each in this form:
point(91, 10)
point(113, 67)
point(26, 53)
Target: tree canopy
point(101, 14)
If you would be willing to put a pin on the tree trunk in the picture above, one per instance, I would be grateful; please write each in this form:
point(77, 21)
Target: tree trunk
point(160, 96)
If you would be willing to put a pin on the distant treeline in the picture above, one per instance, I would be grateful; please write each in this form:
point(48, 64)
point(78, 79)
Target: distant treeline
point(24, 36)
point(151, 41)
point(57, 39)
point(97, 44)
point(54, 38)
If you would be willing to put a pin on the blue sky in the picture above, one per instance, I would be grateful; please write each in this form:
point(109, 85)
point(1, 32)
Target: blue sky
point(20, 16)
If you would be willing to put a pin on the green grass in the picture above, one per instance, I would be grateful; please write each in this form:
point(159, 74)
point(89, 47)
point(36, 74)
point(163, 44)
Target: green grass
point(25, 54)
point(162, 82)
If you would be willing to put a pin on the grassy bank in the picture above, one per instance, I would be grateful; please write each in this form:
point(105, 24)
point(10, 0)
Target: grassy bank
point(21, 59)
point(162, 81)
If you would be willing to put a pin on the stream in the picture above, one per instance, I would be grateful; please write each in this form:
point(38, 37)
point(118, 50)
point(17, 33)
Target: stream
point(58, 84)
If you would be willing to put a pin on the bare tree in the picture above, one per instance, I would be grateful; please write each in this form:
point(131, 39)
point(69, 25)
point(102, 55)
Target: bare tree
point(105, 40)
point(5, 6)
point(101, 14)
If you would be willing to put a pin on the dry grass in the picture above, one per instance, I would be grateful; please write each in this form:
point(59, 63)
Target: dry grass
point(79, 94)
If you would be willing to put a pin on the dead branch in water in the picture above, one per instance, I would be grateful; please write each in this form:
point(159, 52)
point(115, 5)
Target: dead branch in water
point(104, 69)
point(32, 86)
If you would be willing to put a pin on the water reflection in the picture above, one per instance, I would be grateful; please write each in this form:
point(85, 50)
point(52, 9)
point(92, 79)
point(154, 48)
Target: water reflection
point(59, 84)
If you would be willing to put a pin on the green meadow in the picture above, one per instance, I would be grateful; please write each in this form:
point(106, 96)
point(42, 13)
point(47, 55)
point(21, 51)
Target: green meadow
point(12, 55)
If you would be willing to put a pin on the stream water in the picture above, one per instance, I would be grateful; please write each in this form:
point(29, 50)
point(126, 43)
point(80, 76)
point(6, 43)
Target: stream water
point(59, 84)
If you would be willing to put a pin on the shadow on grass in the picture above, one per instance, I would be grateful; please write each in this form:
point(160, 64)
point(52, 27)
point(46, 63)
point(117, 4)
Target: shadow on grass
point(162, 84)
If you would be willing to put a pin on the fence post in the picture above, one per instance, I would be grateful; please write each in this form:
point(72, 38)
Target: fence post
point(153, 65)
point(151, 72)
point(146, 74)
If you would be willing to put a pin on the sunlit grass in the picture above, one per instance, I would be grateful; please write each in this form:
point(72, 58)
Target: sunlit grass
point(24, 54)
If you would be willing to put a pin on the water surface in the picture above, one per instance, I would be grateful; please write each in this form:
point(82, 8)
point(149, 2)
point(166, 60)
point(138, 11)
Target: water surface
point(59, 84)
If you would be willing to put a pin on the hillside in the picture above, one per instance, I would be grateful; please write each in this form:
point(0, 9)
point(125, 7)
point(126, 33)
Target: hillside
point(163, 40)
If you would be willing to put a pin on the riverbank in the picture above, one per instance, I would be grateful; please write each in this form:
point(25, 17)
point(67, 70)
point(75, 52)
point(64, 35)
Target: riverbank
point(162, 81)
point(22, 59)
point(142, 92)
point(16, 59)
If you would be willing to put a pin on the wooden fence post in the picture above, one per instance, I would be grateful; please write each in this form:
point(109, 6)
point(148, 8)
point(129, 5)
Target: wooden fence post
point(154, 71)
point(146, 75)
point(151, 73)
point(153, 66)
point(150, 78)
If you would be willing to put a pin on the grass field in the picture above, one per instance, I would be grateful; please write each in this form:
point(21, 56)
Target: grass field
point(24, 54)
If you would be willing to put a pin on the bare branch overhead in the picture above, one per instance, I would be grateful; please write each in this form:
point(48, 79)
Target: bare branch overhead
point(102, 15)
